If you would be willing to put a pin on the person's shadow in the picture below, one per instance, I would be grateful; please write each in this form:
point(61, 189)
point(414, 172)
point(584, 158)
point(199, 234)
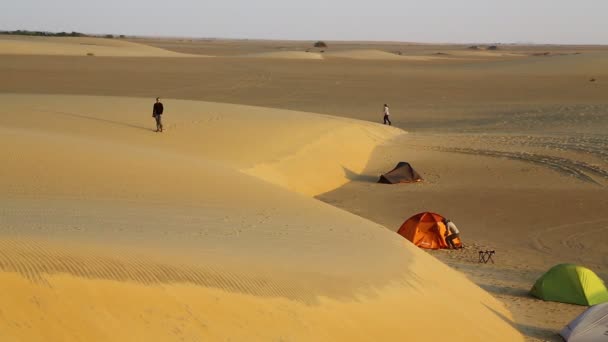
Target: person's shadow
point(80, 116)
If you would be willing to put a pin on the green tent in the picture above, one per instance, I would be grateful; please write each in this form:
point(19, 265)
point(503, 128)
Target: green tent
point(569, 283)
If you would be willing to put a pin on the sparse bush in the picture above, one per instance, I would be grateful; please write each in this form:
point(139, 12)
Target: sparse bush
point(473, 47)
point(320, 44)
point(492, 47)
point(90, 54)
point(109, 36)
point(44, 33)
point(122, 36)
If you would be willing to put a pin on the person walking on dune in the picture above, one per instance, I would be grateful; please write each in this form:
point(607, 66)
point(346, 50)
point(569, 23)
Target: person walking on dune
point(451, 233)
point(157, 112)
point(387, 115)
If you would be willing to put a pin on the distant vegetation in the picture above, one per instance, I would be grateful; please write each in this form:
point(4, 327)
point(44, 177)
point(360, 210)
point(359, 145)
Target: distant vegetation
point(477, 47)
point(56, 34)
point(320, 44)
point(44, 33)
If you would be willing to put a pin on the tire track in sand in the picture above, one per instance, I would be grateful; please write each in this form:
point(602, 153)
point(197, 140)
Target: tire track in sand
point(576, 169)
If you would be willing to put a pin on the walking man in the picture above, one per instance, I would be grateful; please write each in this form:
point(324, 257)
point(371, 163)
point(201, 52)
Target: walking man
point(157, 112)
point(386, 115)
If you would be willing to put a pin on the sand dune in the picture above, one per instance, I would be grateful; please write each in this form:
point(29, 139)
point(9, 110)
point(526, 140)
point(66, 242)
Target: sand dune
point(483, 53)
point(371, 54)
point(287, 55)
point(68, 46)
point(513, 149)
point(113, 232)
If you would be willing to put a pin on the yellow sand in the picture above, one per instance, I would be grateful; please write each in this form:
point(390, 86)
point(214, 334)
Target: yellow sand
point(111, 231)
point(80, 46)
point(288, 55)
point(372, 54)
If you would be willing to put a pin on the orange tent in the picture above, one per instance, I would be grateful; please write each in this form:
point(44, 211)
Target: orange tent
point(426, 230)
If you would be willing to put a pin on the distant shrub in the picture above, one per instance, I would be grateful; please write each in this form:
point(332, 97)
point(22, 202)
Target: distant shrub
point(90, 54)
point(108, 36)
point(44, 33)
point(122, 36)
point(320, 44)
point(492, 47)
point(473, 47)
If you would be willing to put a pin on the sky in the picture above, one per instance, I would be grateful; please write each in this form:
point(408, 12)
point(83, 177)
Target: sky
point(433, 21)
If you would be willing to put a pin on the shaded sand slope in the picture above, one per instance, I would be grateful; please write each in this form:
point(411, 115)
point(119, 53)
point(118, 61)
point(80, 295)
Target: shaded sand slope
point(64, 46)
point(112, 232)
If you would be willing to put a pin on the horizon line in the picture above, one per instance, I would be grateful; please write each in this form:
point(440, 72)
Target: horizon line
point(98, 34)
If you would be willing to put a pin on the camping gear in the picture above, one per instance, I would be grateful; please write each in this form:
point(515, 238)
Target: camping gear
point(590, 326)
point(426, 230)
point(568, 283)
point(402, 173)
point(485, 256)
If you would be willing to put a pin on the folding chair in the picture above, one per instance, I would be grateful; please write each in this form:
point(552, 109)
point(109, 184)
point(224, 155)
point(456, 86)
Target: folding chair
point(485, 256)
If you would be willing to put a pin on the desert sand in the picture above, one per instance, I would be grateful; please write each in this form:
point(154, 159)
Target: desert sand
point(97, 207)
point(81, 46)
point(265, 222)
point(287, 55)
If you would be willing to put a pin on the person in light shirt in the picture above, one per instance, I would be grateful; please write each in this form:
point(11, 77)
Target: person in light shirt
point(451, 233)
point(387, 115)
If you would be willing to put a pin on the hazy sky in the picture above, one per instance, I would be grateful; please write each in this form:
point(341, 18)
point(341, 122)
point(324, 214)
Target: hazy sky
point(539, 21)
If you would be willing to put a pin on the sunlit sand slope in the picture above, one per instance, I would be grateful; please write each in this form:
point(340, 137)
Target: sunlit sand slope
point(109, 231)
point(287, 55)
point(68, 46)
point(371, 54)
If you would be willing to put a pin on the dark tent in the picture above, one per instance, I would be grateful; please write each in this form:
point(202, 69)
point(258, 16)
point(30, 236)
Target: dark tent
point(402, 173)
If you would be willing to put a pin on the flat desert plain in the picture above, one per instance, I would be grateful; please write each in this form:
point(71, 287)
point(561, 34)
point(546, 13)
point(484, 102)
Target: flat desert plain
point(256, 214)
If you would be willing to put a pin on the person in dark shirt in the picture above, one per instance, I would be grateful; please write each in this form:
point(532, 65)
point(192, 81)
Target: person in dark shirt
point(157, 112)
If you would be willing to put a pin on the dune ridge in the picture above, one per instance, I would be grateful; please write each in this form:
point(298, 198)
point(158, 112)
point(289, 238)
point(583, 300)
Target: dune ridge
point(287, 55)
point(81, 46)
point(372, 54)
point(111, 231)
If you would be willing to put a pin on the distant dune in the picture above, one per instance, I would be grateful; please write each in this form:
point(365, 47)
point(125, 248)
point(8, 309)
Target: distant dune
point(69, 46)
point(371, 54)
point(288, 55)
point(484, 53)
point(111, 231)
